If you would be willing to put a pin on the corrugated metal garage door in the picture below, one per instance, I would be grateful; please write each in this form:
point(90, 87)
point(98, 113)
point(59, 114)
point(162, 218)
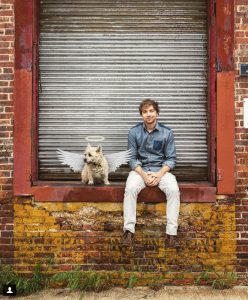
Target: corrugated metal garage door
point(99, 59)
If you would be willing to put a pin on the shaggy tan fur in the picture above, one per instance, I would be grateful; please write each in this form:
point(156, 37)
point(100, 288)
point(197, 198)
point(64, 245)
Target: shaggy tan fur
point(95, 167)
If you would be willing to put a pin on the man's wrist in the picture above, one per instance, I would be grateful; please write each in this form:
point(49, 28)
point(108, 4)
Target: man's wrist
point(140, 171)
point(164, 170)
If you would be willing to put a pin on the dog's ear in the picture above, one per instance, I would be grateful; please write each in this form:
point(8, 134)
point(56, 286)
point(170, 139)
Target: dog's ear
point(99, 148)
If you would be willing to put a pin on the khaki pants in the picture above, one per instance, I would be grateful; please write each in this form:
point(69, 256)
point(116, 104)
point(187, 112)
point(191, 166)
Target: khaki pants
point(168, 185)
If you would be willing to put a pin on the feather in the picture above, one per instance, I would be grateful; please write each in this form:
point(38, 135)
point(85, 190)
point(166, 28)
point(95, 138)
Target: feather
point(117, 159)
point(76, 161)
point(73, 160)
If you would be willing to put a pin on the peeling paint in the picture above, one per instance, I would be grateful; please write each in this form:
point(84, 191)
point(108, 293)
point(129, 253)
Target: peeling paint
point(88, 234)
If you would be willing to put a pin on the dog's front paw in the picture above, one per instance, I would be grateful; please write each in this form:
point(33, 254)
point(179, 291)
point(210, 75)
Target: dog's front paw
point(91, 183)
point(106, 182)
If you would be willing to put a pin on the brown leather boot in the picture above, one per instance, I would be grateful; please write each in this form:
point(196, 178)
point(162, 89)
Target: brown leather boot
point(127, 239)
point(172, 241)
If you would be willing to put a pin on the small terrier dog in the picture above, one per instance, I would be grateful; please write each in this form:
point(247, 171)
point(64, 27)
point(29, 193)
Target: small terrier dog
point(95, 166)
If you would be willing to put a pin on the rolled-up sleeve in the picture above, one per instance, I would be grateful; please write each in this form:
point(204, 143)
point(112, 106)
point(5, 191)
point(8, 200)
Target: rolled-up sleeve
point(132, 144)
point(170, 151)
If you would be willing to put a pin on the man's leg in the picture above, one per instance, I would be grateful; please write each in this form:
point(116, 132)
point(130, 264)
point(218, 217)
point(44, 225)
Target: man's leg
point(134, 185)
point(168, 184)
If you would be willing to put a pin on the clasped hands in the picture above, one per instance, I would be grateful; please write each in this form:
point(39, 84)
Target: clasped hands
point(152, 178)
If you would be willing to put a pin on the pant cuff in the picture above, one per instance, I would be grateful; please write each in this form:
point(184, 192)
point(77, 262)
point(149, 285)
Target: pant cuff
point(171, 232)
point(129, 229)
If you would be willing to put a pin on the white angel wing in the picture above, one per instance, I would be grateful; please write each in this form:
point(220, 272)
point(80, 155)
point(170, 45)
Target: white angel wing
point(73, 160)
point(117, 159)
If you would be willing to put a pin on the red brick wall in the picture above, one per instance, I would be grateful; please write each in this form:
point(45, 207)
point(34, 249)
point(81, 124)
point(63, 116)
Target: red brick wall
point(6, 128)
point(241, 92)
point(6, 131)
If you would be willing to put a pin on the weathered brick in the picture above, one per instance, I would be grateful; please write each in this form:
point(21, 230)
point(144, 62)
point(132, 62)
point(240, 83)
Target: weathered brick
point(8, 70)
point(7, 234)
point(104, 240)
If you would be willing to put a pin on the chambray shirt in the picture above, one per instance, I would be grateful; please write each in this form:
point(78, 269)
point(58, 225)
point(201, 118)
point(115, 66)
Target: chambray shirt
point(151, 150)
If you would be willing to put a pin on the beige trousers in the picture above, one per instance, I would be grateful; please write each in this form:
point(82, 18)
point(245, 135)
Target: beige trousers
point(168, 185)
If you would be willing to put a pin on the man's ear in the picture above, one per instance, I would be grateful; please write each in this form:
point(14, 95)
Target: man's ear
point(99, 148)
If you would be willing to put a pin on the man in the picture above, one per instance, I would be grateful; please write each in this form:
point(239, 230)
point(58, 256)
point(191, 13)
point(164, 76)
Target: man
point(153, 156)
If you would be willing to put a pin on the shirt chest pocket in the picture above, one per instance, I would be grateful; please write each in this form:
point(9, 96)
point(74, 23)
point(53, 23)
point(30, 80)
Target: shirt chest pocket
point(157, 144)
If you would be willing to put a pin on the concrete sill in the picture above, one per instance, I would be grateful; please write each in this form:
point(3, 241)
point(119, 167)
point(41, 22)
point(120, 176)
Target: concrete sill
point(76, 192)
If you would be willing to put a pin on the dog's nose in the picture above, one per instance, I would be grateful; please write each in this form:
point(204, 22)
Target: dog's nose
point(85, 160)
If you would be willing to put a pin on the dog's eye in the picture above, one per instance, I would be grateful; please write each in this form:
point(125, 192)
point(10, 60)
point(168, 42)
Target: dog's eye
point(89, 154)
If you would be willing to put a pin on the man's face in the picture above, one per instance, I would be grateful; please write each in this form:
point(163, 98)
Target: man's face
point(149, 115)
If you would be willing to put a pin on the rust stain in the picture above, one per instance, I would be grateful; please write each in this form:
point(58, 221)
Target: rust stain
point(24, 34)
point(227, 9)
point(227, 43)
point(225, 33)
point(25, 42)
point(25, 38)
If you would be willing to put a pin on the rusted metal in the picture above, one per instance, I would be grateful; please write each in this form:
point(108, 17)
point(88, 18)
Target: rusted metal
point(23, 95)
point(23, 34)
point(34, 132)
point(99, 59)
point(225, 34)
point(212, 91)
point(225, 96)
point(182, 173)
point(225, 133)
point(125, 15)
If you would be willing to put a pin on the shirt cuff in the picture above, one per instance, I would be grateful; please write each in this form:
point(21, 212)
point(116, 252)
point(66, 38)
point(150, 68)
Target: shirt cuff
point(170, 164)
point(134, 164)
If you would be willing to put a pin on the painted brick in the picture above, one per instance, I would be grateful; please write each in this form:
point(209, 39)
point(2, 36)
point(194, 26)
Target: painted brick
point(207, 235)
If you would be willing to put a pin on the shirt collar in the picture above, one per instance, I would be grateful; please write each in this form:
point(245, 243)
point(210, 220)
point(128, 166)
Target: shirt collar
point(157, 127)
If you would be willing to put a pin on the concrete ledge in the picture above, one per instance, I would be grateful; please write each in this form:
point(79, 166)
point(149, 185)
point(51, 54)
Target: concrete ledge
point(75, 192)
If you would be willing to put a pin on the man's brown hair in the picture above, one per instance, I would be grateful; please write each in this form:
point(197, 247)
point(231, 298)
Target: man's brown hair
point(148, 102)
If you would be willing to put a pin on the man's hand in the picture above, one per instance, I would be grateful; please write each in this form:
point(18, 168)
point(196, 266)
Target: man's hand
point(152, 178)
point(148, 179)
point(155, 178)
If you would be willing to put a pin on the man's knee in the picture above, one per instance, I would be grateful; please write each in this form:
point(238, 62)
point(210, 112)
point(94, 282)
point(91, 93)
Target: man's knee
point(132, 189)
point(173, 190)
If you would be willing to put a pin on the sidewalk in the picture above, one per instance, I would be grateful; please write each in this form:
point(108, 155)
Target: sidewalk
point(139, 293)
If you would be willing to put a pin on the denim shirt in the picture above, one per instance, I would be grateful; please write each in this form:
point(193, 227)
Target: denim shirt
point(151, 150)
